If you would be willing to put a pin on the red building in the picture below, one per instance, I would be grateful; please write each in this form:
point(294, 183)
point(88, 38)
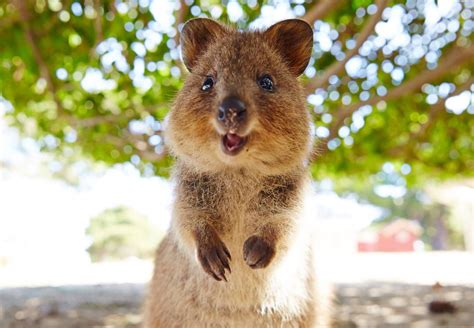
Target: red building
point(397, 236)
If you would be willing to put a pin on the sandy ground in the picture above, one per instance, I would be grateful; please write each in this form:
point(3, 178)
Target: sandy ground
point(371, 290)
point(357, 305)
point(84, 306)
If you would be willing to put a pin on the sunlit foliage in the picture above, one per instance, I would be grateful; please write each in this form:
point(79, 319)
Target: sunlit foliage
point(389, 81)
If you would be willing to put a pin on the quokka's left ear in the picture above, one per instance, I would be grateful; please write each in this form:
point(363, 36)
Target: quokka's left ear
point(293, 39)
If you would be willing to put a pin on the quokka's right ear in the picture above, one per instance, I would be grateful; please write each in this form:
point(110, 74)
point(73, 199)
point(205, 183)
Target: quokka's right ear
point(196, 36)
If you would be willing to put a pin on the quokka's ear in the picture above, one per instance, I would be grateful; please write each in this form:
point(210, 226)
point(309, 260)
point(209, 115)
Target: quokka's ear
point(293, 39)
point(196, 36)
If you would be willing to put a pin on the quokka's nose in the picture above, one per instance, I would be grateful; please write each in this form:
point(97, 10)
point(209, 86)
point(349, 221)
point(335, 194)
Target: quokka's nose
point(231, 112)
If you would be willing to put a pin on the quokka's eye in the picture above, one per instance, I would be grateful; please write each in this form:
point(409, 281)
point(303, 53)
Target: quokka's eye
point(265, 82)
point(207, 84)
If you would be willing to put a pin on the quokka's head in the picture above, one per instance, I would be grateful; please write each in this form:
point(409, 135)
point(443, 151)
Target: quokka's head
point(241, 105)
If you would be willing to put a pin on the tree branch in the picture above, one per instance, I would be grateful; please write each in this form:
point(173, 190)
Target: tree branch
point(141, 147)
point(38, 57)
point(96, 120)
point(436, 111)
point(453, 59)
point(151, 155)
point(115, 118)
point(338, 66)
point(147, 153)
point(321, 9)
point(456, 57)
point(98, 23)
point(30, 38)
point(180, 17)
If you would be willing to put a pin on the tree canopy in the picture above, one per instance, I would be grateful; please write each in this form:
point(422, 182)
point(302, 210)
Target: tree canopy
point(388, 81)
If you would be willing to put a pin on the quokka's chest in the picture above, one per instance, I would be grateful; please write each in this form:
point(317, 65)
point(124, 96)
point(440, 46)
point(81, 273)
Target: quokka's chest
point(241, 194)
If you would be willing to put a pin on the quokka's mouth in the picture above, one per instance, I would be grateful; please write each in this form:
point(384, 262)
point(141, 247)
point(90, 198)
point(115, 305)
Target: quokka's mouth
point(232, 143)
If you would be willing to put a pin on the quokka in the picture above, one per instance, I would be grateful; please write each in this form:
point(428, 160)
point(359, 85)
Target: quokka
point(238, 253)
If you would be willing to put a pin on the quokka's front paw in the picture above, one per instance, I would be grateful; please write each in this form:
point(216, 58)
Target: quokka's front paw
point(258, 253)
point(214, 257)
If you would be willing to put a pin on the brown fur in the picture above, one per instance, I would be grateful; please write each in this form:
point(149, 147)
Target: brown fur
point(239, 218)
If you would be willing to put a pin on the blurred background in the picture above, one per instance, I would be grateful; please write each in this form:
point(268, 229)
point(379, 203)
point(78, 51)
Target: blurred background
point(84, 173)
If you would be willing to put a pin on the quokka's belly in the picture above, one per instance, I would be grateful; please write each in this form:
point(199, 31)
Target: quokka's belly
point(181, 294)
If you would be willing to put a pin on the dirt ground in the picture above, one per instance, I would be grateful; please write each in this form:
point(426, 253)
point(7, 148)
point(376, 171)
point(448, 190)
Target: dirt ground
point(71, 306)
point(402, 305)
point(357, 305)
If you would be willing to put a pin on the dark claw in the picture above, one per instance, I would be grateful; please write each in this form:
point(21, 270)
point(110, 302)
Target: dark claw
point(224, 258)
point(223, 277)
point(207, 269)
point(216, 276)
point(214, 258)
point(258, 253)
point(227, 253)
